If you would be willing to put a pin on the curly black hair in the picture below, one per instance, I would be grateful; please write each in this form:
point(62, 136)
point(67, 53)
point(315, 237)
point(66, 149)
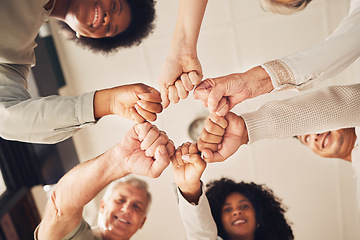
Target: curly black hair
point(141, 25)
point(270, 218)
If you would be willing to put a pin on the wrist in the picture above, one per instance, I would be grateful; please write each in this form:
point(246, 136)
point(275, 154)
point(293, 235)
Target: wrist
point(192, 192)
point(258, 81)
point(102, 103)
point(244, 134)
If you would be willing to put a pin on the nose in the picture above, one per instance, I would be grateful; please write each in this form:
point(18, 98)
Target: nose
point(125, 207)
point(237, 212)
point(106, 19)
point(314, 139)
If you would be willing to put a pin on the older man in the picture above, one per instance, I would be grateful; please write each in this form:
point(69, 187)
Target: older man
point(145, 151)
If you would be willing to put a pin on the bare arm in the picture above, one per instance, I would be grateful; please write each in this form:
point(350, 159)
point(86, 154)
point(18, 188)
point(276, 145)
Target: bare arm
point(182, 62)
point(80, 185)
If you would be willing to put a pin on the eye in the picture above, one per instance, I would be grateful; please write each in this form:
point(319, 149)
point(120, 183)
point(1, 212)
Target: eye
point(227, 210)
point(306, 139)
point(114, 6)
point(120, 200)
point(243, 207)
point(108, 29)
point(137, 208)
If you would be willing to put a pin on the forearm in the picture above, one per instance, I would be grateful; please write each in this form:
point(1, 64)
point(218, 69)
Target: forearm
point(74, 190)
point(322, 61)
point(85, 181)
point(41, 120)
point(327, 109)
point(188, 24)
point(191, 192)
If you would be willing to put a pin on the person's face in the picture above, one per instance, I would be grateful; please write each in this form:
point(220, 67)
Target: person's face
point(98, 18)
point(238, 217)
point(332, 144)
point(124, 212)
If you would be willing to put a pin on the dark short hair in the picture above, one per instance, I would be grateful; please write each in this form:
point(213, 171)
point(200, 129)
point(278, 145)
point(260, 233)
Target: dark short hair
point(141, 25)
point(269, 212)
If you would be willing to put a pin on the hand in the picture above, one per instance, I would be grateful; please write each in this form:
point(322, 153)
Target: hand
point(187, 168)
point(179, 75)
point(145, 150)
point(222, 136)
point(221, 94)
point(137, 102)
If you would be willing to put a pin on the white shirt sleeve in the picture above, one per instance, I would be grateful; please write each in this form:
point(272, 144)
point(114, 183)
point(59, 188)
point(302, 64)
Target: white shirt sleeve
point(322, 61)
point(40, 120)
point(197, 219)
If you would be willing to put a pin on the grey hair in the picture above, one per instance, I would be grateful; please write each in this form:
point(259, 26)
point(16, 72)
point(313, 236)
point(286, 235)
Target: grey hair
point(284, 8)
point(135, 182)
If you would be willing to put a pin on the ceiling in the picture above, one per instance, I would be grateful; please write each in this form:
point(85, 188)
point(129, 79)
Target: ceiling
point(235, 36)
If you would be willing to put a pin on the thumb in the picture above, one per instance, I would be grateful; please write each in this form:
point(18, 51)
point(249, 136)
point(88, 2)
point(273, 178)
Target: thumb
point(164, 97)
point(202, 90)
point(162, 160)
point(215, 95)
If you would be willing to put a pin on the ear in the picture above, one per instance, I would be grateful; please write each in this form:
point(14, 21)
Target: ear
point(102, 206)
point(142, 224)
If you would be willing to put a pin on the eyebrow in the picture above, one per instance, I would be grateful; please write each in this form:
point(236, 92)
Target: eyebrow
point(120, 4)
point(227, 204)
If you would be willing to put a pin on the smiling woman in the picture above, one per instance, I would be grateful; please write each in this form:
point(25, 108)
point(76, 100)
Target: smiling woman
point(247, 211)
point(108, 25)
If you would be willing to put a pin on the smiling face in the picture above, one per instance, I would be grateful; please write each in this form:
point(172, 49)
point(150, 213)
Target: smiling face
point(98, 18)
point(238, 217)
point(332, 144)
point(124, 212)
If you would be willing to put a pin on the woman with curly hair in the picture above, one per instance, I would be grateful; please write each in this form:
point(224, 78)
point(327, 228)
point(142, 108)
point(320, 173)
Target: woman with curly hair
point(229, 210)
point(247, 209)
point(100, 25)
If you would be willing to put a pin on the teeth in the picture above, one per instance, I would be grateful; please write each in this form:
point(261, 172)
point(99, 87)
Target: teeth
point(121, 220)
point(325, 141)
point(96, 15)
point(239, 221)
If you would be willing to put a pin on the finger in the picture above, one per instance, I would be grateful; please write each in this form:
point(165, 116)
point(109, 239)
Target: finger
point(135, 116)
point(202, 91)
point(143, 129)
point(162, 160)
point(164, 97)
point(224, 110)
point(145, 114)
point(162, 139)
point(178, 157)
point(210, 138)
point(213, 128)
point(194, 78)
point(152, 95)
point(204, 145)
point(185, 148)
point(150, 106)
point(186, 82)
point(218, 120)
point(215, 95)
point(150, 137)
point(173, 94)
point(196, 160)
point(207, 155)
point(182, 93)
point(170, 147)
point(222, 106)
point(193, 149)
